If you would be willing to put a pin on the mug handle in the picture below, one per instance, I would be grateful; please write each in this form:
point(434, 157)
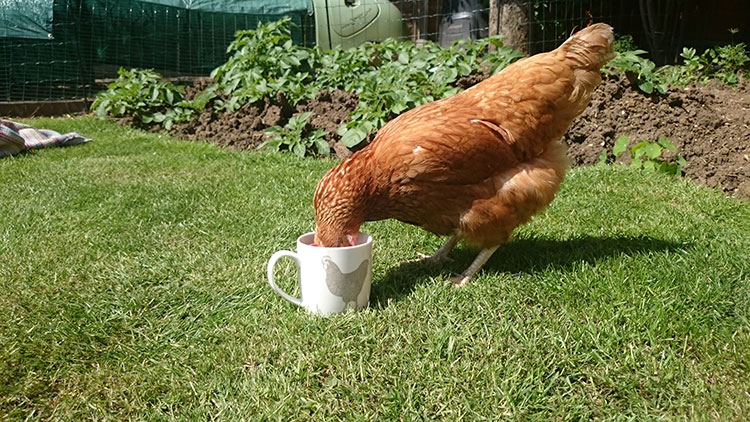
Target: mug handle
point(271, 264)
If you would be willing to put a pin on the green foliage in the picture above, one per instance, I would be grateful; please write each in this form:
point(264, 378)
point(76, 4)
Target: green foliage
point(142, 95)
point(185, 110)
point(723, 63)
point(640, 68)
point(690, 71)
point(624, 43)
point(647, 155)
point(390, 77)
point(263, 62)
point(296, 137)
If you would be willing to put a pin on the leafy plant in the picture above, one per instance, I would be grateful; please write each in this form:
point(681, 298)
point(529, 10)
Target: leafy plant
point(389, 77)
point(723, 63)
point(185, 110)
point(639, 68)
point(646, 155)
point(263, 62)
point(624, 43)
point(404, 75)
point(139, 93)
point(296, 138)
point(690, 71)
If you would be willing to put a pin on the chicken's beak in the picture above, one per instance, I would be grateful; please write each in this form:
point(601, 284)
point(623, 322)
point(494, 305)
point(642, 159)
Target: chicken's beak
point(352, 239)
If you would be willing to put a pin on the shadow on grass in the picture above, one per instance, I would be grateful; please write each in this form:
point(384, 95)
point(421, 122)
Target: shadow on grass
point(522, 256)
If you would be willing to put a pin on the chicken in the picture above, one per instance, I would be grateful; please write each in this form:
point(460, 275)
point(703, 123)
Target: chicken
point(473, 166)
point(345, 285)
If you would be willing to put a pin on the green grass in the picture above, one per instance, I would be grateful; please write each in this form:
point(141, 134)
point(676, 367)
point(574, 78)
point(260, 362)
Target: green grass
point(132, 276)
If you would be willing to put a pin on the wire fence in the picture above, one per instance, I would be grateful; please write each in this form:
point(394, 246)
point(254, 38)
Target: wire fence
point(69, 49)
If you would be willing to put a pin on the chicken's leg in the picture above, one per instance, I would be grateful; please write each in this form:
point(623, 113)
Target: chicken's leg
point(479, 261)
point(442, 254)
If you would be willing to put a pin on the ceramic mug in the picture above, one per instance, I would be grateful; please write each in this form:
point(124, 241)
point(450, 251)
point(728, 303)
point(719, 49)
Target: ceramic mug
point(331, 280)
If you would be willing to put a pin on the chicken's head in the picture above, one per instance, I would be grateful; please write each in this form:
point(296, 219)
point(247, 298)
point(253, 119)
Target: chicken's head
point(335, 226)
point(332, 232)
point(342, 200)
point(329, 239)
point(338, 214)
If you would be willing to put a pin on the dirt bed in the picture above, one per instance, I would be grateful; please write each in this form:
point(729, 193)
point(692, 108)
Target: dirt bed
point(708, 124)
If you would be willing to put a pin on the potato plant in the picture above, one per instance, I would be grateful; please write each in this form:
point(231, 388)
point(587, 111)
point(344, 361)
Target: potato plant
point(389, 77)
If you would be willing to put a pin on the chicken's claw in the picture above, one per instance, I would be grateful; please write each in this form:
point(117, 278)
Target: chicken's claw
point(463, 279)
point(438, 258)
point(433, 259)
point(460, 281)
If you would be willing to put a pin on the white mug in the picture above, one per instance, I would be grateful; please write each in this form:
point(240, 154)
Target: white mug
point(331, 280)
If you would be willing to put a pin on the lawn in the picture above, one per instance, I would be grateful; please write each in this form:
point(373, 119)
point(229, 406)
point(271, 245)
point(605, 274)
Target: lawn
point(133, 287)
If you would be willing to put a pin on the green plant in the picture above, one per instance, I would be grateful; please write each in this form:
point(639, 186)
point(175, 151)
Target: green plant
point(691, 70)
point(296, 137)
point(139, 93)
point(641, 69)
point(184, 110)
point(403, 75)
point(723, 63)
point(646, 155)
point(265, 61)
point(624, 43)
point(389, 77)
point(726, 62)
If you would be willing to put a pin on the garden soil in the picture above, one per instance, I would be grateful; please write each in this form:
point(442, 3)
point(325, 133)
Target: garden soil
point(709, 124)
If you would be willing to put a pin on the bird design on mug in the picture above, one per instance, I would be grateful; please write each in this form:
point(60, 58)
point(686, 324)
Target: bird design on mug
point(345, 285)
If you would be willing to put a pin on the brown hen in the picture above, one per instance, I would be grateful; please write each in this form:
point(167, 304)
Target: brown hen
point(473, 166)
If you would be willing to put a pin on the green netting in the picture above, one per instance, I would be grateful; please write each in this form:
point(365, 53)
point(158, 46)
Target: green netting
point(33, 66)
point(55, 48)
point(26, 19)
point(186, 37)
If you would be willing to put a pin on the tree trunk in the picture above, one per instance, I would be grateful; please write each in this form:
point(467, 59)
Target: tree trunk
point(494, 20)
point(514, 23)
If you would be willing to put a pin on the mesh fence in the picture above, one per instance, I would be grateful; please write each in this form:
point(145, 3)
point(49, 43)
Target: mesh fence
point(67, 49)
point(70, 48)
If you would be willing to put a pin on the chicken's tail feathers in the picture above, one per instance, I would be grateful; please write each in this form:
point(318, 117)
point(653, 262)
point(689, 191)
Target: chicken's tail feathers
point(591, 47)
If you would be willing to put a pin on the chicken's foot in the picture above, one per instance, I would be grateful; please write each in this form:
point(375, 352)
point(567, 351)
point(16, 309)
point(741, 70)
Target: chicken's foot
point(441, 255)
point(479, 261)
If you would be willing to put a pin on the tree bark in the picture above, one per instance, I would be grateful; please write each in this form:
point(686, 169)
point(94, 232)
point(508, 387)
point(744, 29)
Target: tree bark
point(514, 23)
point(494, 17)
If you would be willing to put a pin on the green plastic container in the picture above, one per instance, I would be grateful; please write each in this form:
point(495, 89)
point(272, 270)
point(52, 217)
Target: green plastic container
point(348, 23)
